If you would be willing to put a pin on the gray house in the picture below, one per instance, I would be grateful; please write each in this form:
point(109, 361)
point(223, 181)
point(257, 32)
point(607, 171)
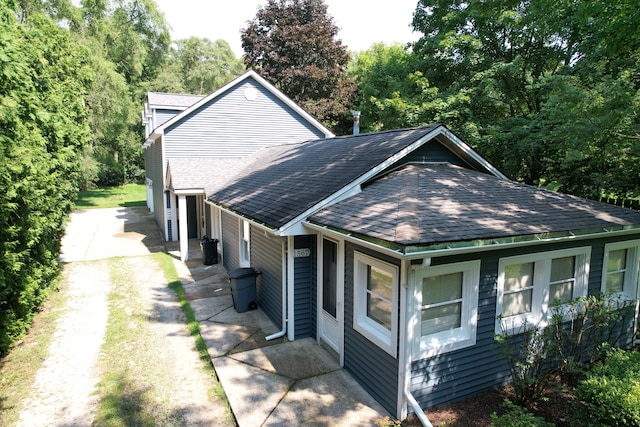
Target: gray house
point(397, 250)
point(195, 143)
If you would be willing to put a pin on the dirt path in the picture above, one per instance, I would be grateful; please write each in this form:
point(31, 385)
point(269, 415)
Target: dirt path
point(64, 393)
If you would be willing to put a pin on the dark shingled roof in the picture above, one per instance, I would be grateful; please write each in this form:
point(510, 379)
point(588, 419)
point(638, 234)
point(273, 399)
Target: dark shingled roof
point(209, 174)
point(285, 181)
point(441, 203)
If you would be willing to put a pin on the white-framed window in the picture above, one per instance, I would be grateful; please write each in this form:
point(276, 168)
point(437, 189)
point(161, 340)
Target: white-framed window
point(447, 297)
point(620, 268)
point(529, 284)
point(376, 301)
point(245, 252)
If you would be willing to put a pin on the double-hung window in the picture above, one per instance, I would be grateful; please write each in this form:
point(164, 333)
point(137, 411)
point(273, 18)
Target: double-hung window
point(529, 284)
point(376, 301)
point(448, 308)
point(620, 269)
point(245, 258)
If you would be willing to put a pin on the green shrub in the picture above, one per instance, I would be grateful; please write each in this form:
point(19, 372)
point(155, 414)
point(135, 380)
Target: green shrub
point(610, 394)
point(517, 416)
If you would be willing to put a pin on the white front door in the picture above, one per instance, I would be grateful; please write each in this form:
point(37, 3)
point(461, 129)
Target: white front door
point(330, 294)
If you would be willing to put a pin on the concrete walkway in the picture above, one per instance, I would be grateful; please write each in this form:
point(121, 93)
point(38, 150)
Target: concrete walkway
point(267, 383)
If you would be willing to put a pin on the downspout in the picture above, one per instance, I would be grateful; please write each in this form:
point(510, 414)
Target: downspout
point(284, 296)
point(290, 283)
point(417, 409)
point(408, 337)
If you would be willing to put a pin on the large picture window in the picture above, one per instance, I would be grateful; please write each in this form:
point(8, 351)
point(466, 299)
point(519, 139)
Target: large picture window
point(529, 284)
point(620, 269)
point(376, 301)
point(448, 310)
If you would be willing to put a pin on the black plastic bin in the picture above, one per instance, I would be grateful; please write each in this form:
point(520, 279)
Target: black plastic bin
point(209, 250)
point(243, 288)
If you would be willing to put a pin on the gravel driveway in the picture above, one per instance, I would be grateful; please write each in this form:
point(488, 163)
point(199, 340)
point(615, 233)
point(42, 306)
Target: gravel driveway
point(63, 394)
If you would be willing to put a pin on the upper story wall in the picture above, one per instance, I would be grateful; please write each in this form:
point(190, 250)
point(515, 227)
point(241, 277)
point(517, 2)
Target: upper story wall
point(236, 124)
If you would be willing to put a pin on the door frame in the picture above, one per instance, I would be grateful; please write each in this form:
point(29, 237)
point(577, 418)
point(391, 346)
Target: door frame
point(330, 331)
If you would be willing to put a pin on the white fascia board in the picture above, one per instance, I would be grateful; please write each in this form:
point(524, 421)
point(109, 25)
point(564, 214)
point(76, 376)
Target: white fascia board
point(354, 187)
point(471, 153)
point(188, 191)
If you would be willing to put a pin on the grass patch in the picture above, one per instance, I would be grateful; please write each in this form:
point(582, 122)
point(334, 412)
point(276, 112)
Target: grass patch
point(138, 389)
point(113, 197)
point(170, 273)
point(18, 370)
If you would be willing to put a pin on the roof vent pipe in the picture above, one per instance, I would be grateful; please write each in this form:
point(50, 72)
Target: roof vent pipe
point(356, 122)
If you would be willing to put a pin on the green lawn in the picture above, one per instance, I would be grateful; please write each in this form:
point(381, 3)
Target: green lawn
point(113, 197)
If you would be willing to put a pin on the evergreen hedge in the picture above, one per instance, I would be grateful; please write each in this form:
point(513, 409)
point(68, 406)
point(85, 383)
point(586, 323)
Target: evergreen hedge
point(43, 128)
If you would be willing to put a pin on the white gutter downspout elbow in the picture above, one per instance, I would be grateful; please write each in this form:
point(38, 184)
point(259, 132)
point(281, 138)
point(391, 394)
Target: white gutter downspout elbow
point(417, 409)
point(282, 332)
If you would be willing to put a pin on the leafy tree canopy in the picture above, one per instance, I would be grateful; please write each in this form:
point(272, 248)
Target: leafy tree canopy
point(293, 44)
point(552, 86)
point(198, 66)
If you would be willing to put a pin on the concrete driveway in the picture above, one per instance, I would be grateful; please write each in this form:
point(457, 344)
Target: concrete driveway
point(104, 233)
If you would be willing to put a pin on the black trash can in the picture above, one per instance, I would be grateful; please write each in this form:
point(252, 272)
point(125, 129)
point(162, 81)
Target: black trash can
point(209, 249)
point(243, 289)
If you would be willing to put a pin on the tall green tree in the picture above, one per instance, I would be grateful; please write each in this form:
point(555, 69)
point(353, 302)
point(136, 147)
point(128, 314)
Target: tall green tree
point(198, 66)
point(551, 86)
point(294, 45)
point(43, 129)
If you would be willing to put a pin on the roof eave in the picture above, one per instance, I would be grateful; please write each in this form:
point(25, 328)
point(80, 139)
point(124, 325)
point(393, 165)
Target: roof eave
point(479, 245)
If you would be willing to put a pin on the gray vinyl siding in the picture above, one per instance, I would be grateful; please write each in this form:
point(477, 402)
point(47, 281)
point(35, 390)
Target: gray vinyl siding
point(153, 167)
point(305, 288)
point(163, 116)
point(230, 241)
point(266, 256)
point(433, 152)
point(462, 373)
point(375, 369)
point(232, 126)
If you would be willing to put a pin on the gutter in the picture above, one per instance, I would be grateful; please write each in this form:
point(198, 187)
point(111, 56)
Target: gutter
point(455, 248)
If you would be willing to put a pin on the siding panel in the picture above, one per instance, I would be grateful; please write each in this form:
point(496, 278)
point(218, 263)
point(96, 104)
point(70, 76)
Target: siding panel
point(375, 369)
point(230, 242)
point(266, 256)
point(305, 282)
point(232, 126)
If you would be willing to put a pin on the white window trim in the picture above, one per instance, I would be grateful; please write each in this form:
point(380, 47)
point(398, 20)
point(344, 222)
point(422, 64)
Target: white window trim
point(540, 313)
point(464, 336)
point(244, 241)
point(384, 338)
point(630, 288)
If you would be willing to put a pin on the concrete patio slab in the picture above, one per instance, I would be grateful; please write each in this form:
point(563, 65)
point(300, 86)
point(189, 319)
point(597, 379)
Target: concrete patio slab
point(221, 339)
point(298, 359)
point(333, 399)
point(253, 393)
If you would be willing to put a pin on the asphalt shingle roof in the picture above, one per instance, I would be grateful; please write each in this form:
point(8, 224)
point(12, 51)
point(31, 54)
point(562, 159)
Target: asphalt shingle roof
point(285, 181)
point(178, 100)
point(209, 174)
point(441, 203)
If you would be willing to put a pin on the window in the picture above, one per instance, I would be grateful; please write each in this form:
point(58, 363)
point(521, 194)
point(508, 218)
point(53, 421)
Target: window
point(448, 310)
point(245, 259)
point(529, 284)
point(376, 301)
point(620, 268)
